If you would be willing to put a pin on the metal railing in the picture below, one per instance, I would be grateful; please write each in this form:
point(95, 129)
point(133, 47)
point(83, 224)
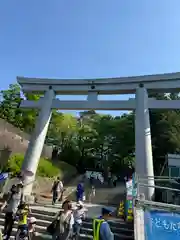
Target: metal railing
point(170, 203)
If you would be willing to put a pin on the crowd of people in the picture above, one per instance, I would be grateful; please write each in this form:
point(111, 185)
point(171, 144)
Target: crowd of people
point(16, 209)
point(67, 222)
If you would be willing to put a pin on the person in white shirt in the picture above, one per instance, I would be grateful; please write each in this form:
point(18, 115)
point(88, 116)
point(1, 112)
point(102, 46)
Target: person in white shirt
point(92, 194)
point(60, 191)
point(57, 190)
point(79, 216)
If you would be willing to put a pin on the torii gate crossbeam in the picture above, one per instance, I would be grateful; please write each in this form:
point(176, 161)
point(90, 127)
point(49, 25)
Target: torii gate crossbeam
point(139, 85)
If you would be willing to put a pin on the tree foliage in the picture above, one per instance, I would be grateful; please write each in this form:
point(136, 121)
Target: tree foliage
point(95, 140)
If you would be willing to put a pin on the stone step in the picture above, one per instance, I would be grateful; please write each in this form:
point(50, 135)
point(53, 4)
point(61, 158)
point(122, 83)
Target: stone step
point(83, 236)
point(39, 222)
point(45, 215)
point(38, 216)
point(43, 212)
point(41, 227)
point(89, 231)
point(124, 226)
point(45, 219)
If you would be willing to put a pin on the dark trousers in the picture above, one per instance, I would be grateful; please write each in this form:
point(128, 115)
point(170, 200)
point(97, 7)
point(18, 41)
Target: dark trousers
point(22, 232)
point(55, 196)
point(109, 181)
point(8, 224)
point(114, 183)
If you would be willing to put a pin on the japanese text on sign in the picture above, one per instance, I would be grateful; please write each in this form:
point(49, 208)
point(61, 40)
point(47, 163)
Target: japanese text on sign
point(162, 225)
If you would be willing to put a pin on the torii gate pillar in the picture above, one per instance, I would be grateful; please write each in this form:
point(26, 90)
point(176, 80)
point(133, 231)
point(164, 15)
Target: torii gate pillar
point(36, 142)
point(144, 159)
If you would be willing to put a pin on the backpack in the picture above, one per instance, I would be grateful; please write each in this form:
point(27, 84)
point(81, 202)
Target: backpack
point(55, 186)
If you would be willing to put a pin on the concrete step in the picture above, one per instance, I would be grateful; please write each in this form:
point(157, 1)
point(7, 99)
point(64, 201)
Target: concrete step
point(45, 220)
point(121, 232)
point(86, 232)
point(45, 215)
point(114, 228)
point(87, 227)
point(39, 222)
point(83, 236)
point(43, 212)
point(38, 216)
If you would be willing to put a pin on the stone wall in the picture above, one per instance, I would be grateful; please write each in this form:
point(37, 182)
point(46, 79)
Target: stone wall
point(17, 140)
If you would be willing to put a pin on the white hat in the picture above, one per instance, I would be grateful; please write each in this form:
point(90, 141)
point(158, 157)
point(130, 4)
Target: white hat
point(80, 204)
point(32, 220)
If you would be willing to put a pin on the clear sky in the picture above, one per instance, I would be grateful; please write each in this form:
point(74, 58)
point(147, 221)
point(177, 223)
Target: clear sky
point(88, 38)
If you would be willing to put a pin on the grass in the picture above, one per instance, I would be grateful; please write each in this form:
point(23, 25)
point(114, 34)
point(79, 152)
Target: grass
point(46, 167)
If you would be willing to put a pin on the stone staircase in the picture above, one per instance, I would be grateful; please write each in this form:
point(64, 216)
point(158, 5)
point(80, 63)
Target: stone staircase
point(45, 215)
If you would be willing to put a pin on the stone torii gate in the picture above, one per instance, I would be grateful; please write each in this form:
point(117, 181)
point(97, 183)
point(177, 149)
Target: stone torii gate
point(139, 85)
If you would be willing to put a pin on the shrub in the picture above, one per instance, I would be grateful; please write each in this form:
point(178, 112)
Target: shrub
point(46, 168)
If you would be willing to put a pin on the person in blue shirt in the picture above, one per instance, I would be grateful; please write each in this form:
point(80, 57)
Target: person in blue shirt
point(80, 191)
point(101, 228)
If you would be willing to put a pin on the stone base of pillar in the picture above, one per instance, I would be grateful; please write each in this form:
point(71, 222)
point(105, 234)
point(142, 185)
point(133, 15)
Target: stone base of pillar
point(30, 199)
point(27, 189)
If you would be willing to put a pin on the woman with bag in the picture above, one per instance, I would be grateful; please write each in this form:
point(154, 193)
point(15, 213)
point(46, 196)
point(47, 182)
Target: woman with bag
point(63, 224)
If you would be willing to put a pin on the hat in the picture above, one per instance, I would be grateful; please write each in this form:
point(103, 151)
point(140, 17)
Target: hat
point(80, 204)
point(106, 211)
point(32, 220)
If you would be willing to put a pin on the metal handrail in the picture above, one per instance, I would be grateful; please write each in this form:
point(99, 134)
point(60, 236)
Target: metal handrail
point(160, 187)
point(157, 205)
point(155, 177)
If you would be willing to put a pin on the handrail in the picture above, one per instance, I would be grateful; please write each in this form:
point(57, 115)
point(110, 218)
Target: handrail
point(140, 203)
point(157, 205)
point(160, 187)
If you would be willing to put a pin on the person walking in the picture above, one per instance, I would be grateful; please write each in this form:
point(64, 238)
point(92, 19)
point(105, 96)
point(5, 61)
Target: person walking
point(65, 222)
point(80, 192)
point(92, 194)
point(10, 207)
point(109, 176)
point(79, 216)
point(57, 190)
point(114, 180)
point(101, 228)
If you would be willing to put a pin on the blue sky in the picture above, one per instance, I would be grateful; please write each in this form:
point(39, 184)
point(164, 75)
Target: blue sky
point(88, 38)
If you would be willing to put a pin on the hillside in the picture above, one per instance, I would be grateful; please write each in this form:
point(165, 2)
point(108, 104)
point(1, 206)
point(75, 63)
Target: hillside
point(16, 140)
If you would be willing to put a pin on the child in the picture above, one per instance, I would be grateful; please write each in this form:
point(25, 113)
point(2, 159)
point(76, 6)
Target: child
point(79, 216)
point(32, 227)
point(22, 214)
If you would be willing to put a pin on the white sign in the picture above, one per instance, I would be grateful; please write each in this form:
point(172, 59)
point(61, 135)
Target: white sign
point(173, 160)
point(95, 175)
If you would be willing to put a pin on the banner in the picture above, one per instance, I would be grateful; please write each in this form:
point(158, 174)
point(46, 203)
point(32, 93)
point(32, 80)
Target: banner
point(160, 225)
point(95, 175)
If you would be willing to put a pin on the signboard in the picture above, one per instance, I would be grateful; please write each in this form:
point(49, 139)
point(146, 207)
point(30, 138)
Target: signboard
point(129, 188)
point(95, 175)
point(160, 225)
point(173, 160)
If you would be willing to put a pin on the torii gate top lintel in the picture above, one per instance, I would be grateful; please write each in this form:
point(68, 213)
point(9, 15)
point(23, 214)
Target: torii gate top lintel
point(169, 82)
point(92, 87)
